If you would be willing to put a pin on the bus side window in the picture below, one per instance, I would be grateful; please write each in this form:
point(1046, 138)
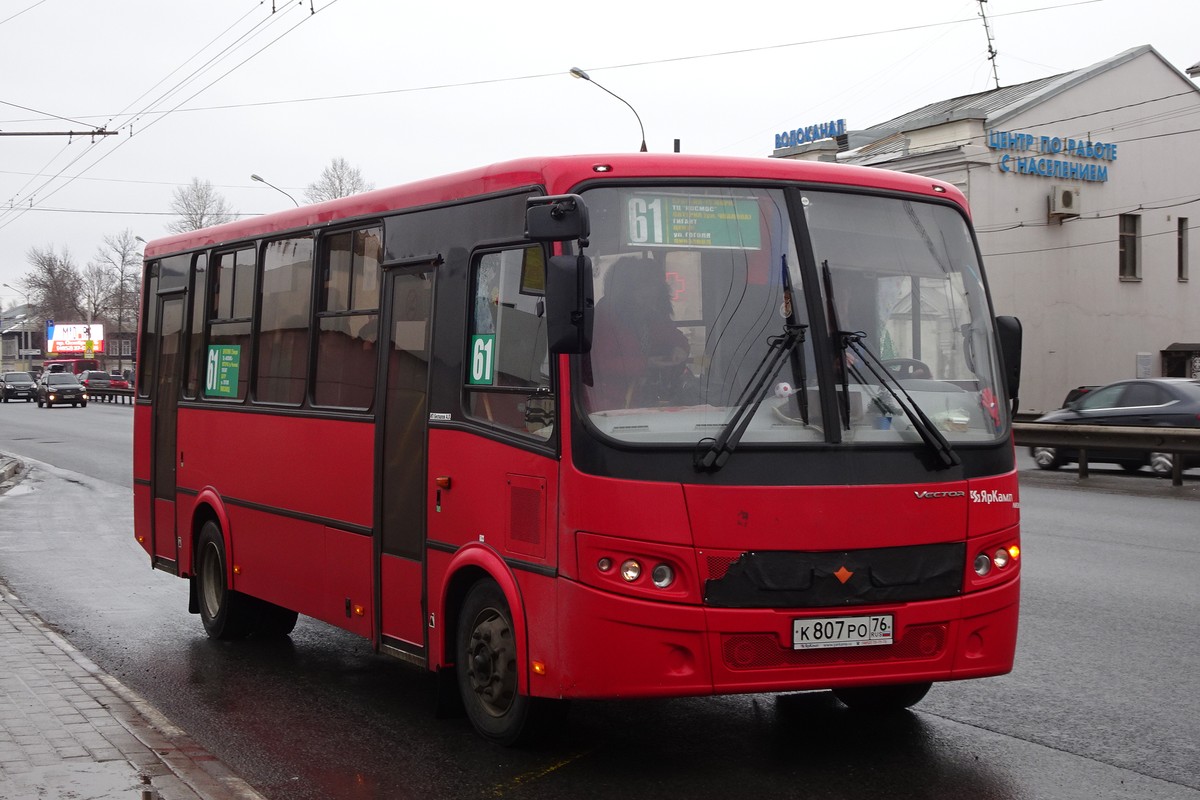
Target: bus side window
point(507, 363)
point(348, 319)
point(227, 368)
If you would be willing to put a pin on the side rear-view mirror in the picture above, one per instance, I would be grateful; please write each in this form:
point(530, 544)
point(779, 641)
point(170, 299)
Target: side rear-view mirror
point(1009, 329)
point(556, 218)
point(570, 301)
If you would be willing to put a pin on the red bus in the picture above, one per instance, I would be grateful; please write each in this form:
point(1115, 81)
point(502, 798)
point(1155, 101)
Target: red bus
point(73, 365)
point(595, 427)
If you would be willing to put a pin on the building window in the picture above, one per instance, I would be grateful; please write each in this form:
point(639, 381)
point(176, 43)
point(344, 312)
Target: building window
point(1128, 244)
point(1182, 248)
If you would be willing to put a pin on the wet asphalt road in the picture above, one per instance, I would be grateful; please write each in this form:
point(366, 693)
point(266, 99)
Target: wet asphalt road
point(1104, 701)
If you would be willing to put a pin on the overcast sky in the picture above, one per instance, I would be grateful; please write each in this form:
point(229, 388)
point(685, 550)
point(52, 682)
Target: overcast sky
point(220, 89)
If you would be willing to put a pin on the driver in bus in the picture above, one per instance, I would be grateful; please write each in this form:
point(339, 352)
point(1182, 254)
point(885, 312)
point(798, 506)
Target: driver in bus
point(638, 353)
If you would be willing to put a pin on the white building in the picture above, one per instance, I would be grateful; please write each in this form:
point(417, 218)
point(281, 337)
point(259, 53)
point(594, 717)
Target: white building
point(1084, 189)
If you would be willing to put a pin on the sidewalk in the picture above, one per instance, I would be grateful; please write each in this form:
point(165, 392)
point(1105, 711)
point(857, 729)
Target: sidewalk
point(68, 730)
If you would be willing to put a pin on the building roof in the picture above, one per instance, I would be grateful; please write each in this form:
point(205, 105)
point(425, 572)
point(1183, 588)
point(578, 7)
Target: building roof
point(995, 106)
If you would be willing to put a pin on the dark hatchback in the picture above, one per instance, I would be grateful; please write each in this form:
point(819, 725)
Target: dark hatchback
point(94, 379)
point(1148, 402)
point(60, 387)
point(17, 386)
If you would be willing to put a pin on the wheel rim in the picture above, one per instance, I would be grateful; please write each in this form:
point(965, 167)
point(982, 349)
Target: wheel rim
point(1044, 456)
point(212, 581)
point(1161, 463)
point(492, 662)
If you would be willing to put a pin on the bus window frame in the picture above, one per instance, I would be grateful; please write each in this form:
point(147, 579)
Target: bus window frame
point(311, 235)
point(316, 313)
point(494, 429)
point(212, 296)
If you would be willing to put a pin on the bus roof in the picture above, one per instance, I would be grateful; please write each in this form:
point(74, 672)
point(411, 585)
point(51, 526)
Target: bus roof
point(559, 174)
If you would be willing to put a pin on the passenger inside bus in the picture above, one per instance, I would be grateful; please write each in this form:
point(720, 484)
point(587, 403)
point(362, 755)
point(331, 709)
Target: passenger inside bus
point(638, 352)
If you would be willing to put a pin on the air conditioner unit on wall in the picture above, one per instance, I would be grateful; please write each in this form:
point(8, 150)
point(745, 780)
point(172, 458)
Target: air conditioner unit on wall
point(1064, 201)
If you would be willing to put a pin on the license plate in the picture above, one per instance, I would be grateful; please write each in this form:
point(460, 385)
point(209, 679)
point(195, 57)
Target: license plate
point(814, 634)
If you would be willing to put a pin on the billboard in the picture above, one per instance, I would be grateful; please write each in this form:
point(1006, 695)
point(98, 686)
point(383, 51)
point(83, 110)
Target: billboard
point(74, 339)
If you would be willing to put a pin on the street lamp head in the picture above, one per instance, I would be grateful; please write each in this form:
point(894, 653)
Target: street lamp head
point(260, 179)
point(576, 72)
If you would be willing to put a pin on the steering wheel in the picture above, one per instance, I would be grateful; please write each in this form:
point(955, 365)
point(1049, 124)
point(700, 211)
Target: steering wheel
point(904, 368)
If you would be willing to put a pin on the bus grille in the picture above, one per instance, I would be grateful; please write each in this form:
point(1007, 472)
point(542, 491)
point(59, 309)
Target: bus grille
point(763, 650)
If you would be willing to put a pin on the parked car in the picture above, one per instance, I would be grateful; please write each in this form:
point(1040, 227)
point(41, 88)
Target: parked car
point(1076, 393)
point(1147, 402)
point(118, 382)
point(94, 379)
point(61, 387)
point(17, 386)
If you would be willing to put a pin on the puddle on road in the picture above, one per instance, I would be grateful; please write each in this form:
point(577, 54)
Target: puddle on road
point(105, 780)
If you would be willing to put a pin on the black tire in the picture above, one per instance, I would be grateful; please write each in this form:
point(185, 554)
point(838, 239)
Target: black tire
point(896, 697)
point(488, 664)
point(1131, 466)
point(83, 404)
point(226, 614)
point(1046, 457)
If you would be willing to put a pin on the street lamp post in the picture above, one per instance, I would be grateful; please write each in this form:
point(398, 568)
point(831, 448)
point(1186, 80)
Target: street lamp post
point(259, 178)
point(576, 72)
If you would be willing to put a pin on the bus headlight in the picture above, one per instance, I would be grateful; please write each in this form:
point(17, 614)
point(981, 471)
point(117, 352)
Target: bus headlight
point(631, 570)
point(662, 575)
point(983, 564)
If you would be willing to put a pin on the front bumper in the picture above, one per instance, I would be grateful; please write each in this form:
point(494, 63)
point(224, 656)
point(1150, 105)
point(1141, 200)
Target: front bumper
point(635, 648)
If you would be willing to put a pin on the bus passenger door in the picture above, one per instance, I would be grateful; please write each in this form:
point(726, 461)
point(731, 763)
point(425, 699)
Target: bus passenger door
point(401, 450)
point(168, 376)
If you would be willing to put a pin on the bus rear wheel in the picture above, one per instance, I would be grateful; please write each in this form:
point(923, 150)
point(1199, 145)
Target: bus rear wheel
point(896, 697)
point(487, 665)
point(226, 613)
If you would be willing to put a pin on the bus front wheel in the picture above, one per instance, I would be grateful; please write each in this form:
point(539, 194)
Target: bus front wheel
point(226, 613)
point(487, 665)
point(896, 697)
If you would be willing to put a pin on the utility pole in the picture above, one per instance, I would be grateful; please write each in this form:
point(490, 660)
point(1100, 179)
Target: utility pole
point(991, 50)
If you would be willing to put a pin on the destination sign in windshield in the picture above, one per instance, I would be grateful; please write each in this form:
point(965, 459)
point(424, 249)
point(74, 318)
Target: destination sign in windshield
point(669, 220)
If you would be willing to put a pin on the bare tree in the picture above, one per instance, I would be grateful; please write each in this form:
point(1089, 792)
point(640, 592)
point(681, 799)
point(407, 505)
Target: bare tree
point(199, 205)
point(96, 292)
point(54, 283)
point(121, 259)
point(339, 179)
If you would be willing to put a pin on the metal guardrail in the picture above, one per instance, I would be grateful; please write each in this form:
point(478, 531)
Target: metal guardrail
point(111, 395)
point(1176, 441)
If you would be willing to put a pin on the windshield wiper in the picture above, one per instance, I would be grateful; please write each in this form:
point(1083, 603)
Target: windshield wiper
point(714, 456)
point(852, 341)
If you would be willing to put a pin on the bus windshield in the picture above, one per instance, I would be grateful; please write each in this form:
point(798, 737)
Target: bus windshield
point(697, 288)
